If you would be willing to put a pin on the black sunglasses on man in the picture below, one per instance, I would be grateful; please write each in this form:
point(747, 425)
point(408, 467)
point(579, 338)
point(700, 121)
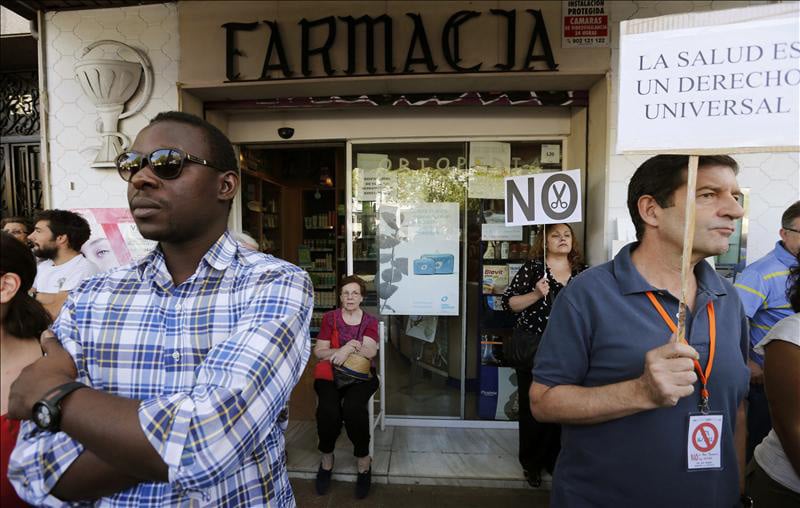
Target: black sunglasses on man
point(166, 163)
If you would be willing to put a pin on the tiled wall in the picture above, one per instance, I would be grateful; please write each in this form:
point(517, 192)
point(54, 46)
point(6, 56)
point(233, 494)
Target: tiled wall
point(72, 116)
point(773, 179)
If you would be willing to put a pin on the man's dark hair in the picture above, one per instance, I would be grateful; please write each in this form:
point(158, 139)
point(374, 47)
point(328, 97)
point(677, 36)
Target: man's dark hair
point(16, 220)
point(790, 215)
point(220, 149)
point(26, 318)
point(64, 222)
point(660, 177)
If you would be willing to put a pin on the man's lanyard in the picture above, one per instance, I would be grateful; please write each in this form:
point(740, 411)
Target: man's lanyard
point(712, 334)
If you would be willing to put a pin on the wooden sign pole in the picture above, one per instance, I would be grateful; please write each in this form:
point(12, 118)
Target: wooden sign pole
point(544, 247)
point(688, 243)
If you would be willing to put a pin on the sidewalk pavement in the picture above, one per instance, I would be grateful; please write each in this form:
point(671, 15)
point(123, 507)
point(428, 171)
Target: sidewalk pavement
point(341, 495)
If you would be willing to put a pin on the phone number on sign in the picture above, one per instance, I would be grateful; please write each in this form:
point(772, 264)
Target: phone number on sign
point(588, 40)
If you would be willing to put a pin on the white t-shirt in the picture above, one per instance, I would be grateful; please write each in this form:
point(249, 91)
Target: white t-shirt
point(769, 454)
point(64, 277)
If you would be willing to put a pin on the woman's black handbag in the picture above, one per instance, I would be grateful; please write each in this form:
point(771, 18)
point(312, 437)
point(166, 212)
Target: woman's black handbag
point(520, 348)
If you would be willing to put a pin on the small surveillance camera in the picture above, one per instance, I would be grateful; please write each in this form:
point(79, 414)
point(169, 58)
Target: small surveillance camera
point(285, 132)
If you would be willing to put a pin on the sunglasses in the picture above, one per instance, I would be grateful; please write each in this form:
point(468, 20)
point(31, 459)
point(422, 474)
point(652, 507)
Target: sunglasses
point(166, 163)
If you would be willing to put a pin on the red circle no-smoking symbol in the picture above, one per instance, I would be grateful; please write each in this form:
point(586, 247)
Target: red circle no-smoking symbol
point(705, 437)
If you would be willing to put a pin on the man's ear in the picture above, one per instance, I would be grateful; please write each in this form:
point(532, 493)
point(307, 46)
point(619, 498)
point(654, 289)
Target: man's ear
point(228, 186)
point(648, 210)
point(62, 240)
point(9, 285)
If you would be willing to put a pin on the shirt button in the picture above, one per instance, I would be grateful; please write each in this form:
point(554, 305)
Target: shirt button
point(177, 306)
point(176, 356)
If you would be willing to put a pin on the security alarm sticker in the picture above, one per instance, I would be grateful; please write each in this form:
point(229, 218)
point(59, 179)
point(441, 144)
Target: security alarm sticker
point(704, 442)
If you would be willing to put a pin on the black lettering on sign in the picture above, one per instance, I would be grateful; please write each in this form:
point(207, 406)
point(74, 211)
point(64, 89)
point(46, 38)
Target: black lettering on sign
point(231, 51)
point(323, 50)
point(564, 199)
point(369, 26)
point(514, 195)
point(511, 37)
point(419, 37)
point(452, 54)
point(276, 44)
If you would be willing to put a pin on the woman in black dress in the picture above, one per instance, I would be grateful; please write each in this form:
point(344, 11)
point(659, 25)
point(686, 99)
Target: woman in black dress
point(531, 295)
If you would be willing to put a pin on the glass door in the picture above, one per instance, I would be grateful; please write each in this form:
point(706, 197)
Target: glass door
point(426, 229)
point(408, 203)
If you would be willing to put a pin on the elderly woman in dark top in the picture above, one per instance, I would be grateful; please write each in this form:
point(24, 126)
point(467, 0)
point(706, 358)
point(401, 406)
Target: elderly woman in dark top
point(531, 294)
point(356, 332)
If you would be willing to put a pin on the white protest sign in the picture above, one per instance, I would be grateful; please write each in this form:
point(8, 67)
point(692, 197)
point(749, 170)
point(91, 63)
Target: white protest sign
point(543, 198)
point(726, 81)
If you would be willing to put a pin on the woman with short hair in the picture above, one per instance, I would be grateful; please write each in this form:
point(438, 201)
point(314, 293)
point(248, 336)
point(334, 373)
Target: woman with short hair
point(345, 381)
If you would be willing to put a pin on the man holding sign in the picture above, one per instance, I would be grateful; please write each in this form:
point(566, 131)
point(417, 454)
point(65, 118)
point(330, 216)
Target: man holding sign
point(648, 420)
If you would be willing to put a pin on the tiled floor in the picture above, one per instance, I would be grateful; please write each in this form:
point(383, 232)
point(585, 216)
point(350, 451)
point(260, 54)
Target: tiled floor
point(418, 455)
point(341, 495)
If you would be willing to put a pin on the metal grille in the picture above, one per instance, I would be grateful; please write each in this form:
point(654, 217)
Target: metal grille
point(20, 185)
point(19, 104)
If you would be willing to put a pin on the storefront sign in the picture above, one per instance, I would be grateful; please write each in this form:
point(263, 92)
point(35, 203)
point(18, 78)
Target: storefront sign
point(538, 54)
point(546, 198)
point(585, 24)
point(419, 259)
point(729, 86)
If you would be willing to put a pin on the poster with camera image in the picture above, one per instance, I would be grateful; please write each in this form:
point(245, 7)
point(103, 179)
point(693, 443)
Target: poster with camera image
point(418, 262)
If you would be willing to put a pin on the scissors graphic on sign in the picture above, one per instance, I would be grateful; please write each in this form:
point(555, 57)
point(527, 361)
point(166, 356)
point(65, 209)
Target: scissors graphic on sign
point(559, 203)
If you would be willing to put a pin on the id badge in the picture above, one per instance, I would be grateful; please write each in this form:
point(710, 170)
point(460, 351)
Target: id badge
point(704, 441)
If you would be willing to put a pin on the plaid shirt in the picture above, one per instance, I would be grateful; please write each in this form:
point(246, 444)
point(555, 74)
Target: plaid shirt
point(213, 361)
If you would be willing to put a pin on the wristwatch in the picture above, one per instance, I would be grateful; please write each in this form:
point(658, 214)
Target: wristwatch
point(47, 412)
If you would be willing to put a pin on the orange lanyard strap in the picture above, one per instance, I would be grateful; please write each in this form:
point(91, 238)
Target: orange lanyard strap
point(712, 334)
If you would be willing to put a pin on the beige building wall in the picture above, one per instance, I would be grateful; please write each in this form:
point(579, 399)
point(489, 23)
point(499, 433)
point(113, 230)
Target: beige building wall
point(72, 117)
point(185, 43)
point(773, 178)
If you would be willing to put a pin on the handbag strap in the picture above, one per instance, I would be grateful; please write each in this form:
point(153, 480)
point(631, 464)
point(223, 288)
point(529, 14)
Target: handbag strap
point(335, 333)
point(337, 316)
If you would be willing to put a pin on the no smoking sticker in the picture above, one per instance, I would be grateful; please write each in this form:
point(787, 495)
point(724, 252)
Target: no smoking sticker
point(704, 446)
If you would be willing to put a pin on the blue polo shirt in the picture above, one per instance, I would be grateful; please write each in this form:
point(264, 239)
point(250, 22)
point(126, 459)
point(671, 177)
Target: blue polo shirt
point(600, 329)
point(762, 288)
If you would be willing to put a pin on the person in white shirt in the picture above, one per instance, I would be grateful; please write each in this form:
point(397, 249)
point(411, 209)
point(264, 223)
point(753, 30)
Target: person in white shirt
point(57, 238)
point(773, 478)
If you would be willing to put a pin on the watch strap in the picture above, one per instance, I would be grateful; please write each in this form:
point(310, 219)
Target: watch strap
point(55, 395)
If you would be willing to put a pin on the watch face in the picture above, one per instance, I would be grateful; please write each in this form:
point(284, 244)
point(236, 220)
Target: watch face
point(42, 417)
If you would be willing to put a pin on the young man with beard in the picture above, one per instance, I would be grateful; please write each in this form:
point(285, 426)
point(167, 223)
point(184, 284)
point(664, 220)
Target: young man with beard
point(184, 358)
point(57, 239)
point(647, 420)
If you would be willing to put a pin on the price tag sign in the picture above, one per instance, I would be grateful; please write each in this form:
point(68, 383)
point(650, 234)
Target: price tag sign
point(551, 154)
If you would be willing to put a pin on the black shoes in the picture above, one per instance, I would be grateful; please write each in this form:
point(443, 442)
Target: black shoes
point(323, 483)
point(363, 483)
point(534, 479)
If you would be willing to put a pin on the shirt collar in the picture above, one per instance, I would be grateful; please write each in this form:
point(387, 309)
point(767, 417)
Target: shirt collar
point(631, 281)
point(783, 255)
point(219, 257)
